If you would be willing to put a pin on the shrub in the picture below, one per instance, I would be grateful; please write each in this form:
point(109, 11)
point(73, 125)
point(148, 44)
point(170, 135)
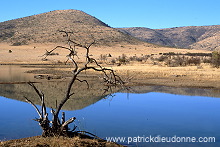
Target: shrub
point(179, 61)
point(140, 59)
point(198, 54)
point(162, 58)
point(170, 53)
point(113, 61)
point(207, 60)
point(123, 59)
point(17, 44)
point(182, 61)
point(103, 57)
point(215, 59)
point(194, 60)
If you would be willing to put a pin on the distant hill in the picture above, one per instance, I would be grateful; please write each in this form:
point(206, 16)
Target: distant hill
point(195, 37)
point(43, 28)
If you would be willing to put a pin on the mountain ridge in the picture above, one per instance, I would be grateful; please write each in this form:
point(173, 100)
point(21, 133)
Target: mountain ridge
point(193, 37)
point(43, 28)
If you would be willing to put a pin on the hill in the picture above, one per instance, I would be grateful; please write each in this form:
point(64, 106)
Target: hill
point(194, 37)
point(43, 28)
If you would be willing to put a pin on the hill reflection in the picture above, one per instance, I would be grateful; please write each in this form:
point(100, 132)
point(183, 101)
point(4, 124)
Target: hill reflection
point(209, 92)
point(83, 97)
point(54, 92)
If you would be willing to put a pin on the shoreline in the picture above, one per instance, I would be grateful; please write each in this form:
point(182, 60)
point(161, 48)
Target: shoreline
point(143, 74)
point(188, 76)
point(133, 73)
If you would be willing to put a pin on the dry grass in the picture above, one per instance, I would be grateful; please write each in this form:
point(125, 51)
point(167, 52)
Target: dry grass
point(143, 72)
point(33, 53)
point(191, 76)
point(57, 142)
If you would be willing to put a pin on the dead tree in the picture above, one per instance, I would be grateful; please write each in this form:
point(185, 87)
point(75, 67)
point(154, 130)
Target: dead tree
point(59, 126)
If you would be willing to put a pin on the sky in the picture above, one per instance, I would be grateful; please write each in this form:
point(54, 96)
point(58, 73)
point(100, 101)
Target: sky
point(154, 14)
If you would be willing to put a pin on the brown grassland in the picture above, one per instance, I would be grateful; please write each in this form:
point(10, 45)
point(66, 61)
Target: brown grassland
point(144, 73)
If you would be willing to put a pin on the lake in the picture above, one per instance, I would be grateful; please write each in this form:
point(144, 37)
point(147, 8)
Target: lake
point(148, 112)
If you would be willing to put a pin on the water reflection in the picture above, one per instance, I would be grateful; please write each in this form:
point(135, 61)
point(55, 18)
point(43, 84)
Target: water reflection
point(154, 114)
point(208, 92)
point(16, 120)
point(14, 73)
point(153, 111)
point(55, 91)
point(137, 115)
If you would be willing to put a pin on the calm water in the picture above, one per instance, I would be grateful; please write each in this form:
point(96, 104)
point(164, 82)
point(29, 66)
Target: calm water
point(137, 115)
point(127, 115)
point(14, 73)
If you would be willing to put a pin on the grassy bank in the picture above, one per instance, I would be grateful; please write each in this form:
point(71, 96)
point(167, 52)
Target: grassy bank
point(38, 141)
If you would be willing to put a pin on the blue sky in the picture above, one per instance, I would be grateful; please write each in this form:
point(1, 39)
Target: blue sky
point(153, 14)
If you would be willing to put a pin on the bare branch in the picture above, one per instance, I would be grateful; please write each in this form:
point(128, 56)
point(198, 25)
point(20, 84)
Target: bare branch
point(43, 107)
point(52, 111)
point(67, 123)
point(74, 63)
point(49, 52)
point(72, 94)
point(36, 90)
point(30, 102)
point(63, 118)
point(41, 96)
point(67, 96)
point(85, 132)
point(84, 81)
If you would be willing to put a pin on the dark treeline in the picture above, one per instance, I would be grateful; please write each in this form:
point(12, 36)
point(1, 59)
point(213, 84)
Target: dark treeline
point(189, 54)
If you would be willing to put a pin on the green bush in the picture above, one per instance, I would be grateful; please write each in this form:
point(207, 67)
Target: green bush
point(215, 59)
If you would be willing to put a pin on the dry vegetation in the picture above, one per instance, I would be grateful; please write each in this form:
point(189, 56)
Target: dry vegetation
point(57, 142)
point(146, 65)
